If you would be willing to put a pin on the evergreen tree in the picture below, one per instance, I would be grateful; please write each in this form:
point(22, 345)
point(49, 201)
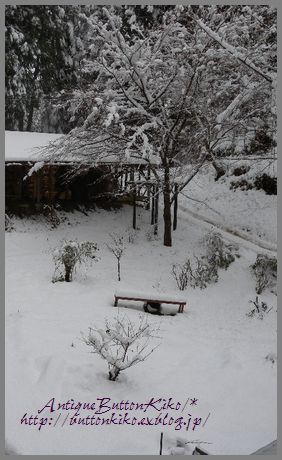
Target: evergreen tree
point(41, 57)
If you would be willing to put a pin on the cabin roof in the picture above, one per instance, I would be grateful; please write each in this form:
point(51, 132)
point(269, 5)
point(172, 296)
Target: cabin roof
point(23, 146)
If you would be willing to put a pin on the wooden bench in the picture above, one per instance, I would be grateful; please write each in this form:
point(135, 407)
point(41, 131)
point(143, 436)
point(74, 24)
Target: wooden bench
point(150, 299)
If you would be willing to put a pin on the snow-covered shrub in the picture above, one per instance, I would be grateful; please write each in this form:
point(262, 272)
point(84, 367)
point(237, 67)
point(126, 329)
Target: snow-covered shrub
point(263, 182)
point(122, 343)
point(265, 272)
point(117, 246)
point(51, 215)
point(8, 224)
point(242, 184)
point(131, 235)
point(266, 183)
point(218, 252)
point(181, 274)
point(204, 273)
point(262, 142)
point(260, 309)
point(240, 170)
point(204, 270)
point(150, 235)
point(200, 274)
point(271, 357)
point(69, 255)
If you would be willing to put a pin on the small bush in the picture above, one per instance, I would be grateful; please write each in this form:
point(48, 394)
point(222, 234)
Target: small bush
point(204, 270)
point(131, 235)
point(150, 235)
point(8, 224)
point(122, 344)
point(265, 271)
point(266, 183)
point(181, 274)
point(240, 170)
point(243, 184)
point(260, 309)
point(271, 357)
point(262, 142)
point(200, 275)
point(263, 182)
point(219, 253)
point(51, 215)
point(204, 273)
point(69, 255)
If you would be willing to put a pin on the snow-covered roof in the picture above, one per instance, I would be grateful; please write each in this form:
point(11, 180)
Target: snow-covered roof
point(23, 146)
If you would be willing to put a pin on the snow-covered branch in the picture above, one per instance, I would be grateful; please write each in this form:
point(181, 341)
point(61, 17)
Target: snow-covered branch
point(123, 343)
point(237, 54)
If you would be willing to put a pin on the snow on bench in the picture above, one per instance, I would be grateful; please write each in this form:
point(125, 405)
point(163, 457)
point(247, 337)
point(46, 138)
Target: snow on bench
point(157, 297)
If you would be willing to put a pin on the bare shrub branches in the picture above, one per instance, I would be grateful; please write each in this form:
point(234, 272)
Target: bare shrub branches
point(199, 274)
point(261, 308)
point(122, 343)
point(117, 246)
point(204, 269)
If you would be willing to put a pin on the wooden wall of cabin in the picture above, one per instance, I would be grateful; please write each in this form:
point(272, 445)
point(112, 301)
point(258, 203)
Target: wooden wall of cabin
point(49, 186)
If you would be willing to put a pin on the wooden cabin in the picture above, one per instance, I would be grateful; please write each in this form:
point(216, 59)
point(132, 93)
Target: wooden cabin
point(31, 183)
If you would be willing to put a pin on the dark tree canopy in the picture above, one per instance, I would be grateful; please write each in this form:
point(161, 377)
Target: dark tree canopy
point(41, 58)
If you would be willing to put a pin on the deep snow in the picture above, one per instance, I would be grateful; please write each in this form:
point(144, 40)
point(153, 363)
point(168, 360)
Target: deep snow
point(212, 352)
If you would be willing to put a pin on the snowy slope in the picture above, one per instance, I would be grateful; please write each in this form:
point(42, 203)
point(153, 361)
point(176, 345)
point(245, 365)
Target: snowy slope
point(211, 352)
point(250, 212)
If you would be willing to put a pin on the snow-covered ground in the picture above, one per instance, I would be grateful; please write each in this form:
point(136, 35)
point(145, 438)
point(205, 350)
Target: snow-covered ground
point(250, 213)
point(212, 352)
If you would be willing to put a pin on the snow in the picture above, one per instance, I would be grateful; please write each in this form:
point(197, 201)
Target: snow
point(150, 295)
point(212, 352)
point(251, 213)
point(234, 51)
point(25, 146)
point(22, 146)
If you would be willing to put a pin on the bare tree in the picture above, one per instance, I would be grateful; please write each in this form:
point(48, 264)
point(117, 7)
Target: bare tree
point(122, 343)
point(117, 247)
point(165, 94)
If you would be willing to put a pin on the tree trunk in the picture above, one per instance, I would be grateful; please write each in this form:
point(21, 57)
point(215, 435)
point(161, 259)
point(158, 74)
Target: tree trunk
point(114, 373)
point(220, 171)
point(175, 207)
point(67, 273)
point(156, 212)
point(118, 269)
point(167, 208)
point(153, 205)
point(30, 116)
point(32, 101)
point(134, 209)
point(21, 121)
